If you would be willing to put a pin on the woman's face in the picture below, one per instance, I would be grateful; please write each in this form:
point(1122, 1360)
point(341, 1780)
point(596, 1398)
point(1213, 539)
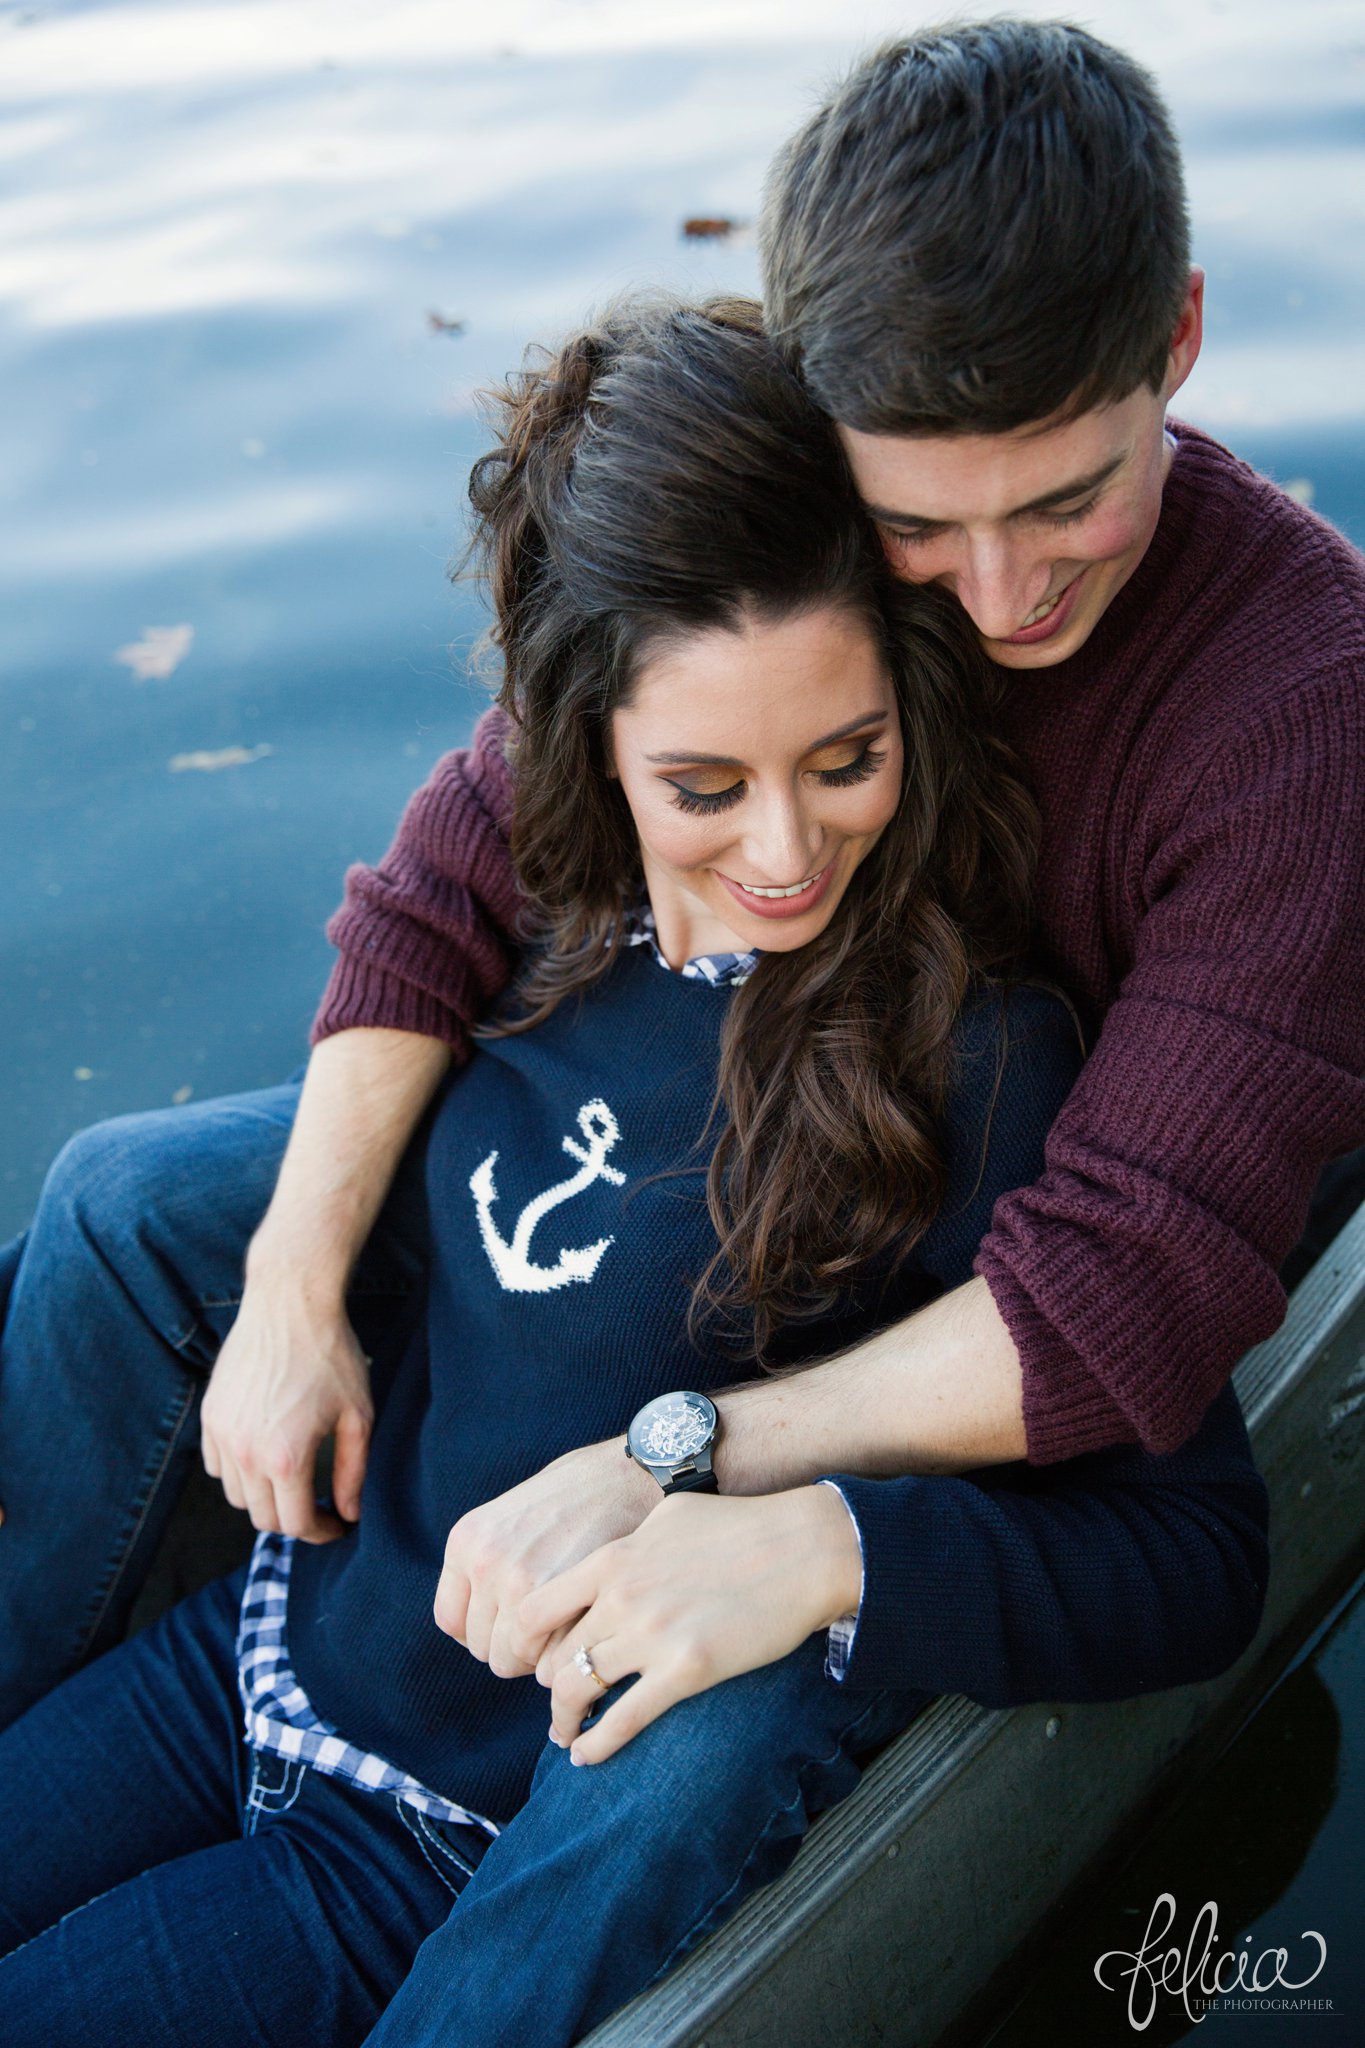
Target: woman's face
point(761, 766)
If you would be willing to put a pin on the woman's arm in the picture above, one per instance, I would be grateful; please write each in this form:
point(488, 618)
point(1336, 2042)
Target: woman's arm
point(291, 1372)
point(1102, 1577)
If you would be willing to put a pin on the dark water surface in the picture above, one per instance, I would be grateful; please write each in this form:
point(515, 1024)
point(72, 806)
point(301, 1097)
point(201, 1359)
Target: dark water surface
point(223, 232)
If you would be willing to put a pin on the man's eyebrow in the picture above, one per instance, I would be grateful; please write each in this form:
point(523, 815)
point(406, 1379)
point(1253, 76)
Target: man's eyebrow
point(1077, 488)
point(675, 760)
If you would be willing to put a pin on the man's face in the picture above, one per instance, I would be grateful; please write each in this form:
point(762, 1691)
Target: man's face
point(1036, 531)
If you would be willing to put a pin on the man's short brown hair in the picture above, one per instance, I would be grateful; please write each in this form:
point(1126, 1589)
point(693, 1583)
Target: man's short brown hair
point(984, 227)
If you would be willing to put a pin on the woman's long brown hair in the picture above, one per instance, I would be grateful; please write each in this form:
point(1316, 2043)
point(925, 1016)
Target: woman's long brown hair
point(663, 473)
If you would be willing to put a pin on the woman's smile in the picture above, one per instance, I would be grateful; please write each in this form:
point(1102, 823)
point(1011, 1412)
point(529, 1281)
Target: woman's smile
point(794, 901)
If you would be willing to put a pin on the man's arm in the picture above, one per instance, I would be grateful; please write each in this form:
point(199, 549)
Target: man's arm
point(1142, 1264)
point(939, 1392)
point(423, 949)
point(422, 940)
point(290, 1372)
point(1119, 1288)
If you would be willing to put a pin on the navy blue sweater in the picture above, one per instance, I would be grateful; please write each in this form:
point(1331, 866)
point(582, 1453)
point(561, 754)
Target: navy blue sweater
point(562, 1265)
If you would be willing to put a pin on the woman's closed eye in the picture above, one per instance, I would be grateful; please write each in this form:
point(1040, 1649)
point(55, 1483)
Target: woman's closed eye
point(700, 802)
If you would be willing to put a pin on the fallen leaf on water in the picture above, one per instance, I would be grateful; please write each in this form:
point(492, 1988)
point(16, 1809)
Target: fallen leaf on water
point(182, 1095)
point(707, 227)
point(158, 653)
point(209, 763)
point(439, 324)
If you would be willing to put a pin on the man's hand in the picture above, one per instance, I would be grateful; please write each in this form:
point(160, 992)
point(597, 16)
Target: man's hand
point(290, 1374)
point(501, 1551)
point(705, 1588)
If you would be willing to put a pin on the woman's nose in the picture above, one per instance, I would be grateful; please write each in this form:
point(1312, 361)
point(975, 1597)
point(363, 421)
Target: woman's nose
point(780, 842)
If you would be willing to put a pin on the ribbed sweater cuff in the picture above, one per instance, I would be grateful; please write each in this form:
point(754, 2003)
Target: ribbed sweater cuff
point(360, 993)
point(1066, 1410)
point(905, 1546)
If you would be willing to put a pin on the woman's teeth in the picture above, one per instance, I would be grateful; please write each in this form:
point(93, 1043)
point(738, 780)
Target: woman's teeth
point(795, 889)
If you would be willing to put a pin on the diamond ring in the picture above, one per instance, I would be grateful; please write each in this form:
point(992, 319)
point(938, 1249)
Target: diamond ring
point(582, 1659)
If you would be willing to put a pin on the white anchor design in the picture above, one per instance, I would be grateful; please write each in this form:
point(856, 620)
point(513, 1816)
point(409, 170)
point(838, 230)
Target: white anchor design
point(512, 1262)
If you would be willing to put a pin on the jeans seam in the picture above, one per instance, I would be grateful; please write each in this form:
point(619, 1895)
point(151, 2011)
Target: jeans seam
point(92, 1629)
point(412, 1820)
point(441, 1847)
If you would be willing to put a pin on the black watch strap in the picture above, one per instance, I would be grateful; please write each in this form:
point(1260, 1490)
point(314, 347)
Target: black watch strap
point(689, 1480)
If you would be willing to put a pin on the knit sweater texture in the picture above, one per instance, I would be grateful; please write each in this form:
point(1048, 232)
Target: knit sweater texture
point(1200, 768)
point(565, 1182)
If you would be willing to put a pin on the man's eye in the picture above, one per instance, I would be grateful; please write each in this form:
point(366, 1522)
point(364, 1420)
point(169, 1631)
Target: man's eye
point(910, 536)
point(1070, 517)
point(699, 802)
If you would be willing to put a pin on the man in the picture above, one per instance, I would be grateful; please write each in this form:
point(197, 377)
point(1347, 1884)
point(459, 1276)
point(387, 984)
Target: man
point(976, 253)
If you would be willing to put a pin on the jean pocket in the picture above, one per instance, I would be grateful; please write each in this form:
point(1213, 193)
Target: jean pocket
point(453, 1849)
point(275, 1783)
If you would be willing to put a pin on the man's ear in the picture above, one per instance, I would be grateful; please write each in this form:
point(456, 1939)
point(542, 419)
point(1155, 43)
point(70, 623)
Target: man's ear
point(1188, 337)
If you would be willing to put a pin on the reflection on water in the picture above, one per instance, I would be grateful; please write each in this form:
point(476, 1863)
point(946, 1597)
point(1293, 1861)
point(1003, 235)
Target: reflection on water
point(223, 235)
point(236, 437)
point(1272, 1836)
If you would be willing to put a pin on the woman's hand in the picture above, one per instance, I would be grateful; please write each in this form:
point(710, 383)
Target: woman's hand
point(501, 1551)
point(707, 1587)
point(291, 1373)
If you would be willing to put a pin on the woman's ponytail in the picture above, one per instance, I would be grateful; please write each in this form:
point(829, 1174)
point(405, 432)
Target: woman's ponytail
point(517, 490)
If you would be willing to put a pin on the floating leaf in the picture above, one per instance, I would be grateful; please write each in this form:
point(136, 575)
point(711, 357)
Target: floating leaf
point(158, 653)
point(208, 763)
point(707, 227)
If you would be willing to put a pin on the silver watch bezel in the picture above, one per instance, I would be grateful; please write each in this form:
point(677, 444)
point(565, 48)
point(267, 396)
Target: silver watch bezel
point(695, 1461)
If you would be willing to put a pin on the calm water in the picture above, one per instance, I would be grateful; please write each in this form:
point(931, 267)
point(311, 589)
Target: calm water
point(236, 442)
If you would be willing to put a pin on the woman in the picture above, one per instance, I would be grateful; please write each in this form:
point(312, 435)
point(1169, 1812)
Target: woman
point(754, 1093)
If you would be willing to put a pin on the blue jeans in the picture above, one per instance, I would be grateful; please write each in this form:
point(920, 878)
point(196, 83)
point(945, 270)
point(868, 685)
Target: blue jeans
point(159, 1884)
point(119, 1297)
point(117, 1302)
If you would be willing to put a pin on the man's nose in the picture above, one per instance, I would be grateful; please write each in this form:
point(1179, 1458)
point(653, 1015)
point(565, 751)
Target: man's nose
point(998, 583)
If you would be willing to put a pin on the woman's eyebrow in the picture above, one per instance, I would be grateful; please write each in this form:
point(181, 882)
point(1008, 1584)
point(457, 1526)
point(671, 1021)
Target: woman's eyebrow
point(687, 760)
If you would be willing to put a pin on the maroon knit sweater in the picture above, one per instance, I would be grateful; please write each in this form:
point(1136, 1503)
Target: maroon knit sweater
point(1200, 765)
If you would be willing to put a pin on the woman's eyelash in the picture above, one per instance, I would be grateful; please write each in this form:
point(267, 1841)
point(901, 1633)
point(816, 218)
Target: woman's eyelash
point(867, 763)
point(700, 803)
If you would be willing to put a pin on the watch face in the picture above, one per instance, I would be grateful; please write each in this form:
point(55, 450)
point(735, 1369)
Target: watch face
point(672, 1429)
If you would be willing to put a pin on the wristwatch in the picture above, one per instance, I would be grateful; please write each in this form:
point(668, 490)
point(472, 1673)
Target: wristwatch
point(672, 1437)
